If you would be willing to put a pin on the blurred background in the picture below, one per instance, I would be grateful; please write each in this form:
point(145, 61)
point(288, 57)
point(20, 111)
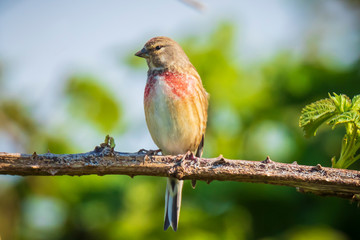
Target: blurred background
point(68, 77)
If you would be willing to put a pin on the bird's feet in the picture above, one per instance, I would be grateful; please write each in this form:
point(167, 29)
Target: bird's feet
point(190, 156)
point(149, 152)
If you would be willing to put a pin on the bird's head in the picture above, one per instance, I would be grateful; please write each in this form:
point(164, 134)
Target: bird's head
point(162, 53)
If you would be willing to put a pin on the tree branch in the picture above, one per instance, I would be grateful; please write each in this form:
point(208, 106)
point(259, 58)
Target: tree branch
point(104, 160)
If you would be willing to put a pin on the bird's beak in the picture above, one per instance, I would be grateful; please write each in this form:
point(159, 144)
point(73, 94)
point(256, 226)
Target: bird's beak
point(142, 53)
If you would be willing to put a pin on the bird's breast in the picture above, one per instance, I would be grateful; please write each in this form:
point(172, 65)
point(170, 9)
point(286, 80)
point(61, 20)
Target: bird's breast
point(172, 116)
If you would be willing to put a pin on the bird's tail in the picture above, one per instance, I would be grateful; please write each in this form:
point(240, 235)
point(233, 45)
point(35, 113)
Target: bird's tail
point(172, 203)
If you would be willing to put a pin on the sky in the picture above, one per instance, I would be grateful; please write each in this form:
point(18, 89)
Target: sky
point(44, 42)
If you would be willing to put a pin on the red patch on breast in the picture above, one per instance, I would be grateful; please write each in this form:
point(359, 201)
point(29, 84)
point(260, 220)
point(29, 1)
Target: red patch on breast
point(149, 85)
point(179, 83)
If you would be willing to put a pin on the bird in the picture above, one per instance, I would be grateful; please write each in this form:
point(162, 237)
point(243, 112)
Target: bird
point(175, 105)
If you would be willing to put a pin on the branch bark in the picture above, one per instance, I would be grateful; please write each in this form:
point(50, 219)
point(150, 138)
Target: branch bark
point(104, 160)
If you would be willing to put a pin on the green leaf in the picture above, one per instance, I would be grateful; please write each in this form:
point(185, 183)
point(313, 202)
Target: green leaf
point(346, 117)
point(92, 102)
point(112, 143)
point(341, 102)
point(315, 114)
point(356, 103)
point(335, 110)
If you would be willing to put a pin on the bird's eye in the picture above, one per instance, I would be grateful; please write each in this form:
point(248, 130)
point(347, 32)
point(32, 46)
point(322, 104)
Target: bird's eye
point(158, 47)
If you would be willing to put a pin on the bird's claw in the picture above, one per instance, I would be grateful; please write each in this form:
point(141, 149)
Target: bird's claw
point(189, 155)
point(193, 183)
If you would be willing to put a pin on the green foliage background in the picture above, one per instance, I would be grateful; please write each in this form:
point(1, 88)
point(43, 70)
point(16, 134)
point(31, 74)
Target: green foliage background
point(254, 112)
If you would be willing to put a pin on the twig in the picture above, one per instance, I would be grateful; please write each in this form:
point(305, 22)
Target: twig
point(104, 160)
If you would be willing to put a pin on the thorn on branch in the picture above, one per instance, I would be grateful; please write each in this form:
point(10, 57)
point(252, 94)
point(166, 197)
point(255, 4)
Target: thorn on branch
point(34, 156)
point(53, 171)
point(97, 149)
point(221, 161)
point(267, 160)
point(193, 183)
point(318, 167)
